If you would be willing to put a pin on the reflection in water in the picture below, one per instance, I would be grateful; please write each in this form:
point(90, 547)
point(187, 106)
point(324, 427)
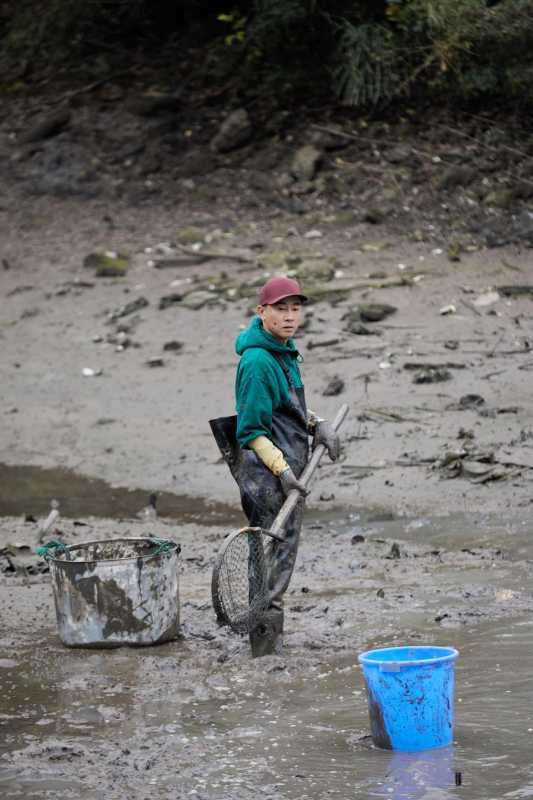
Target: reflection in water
point(414, 776)
point(61, 693)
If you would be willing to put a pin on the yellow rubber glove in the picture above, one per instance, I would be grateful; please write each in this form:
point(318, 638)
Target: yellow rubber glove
point(269, 454)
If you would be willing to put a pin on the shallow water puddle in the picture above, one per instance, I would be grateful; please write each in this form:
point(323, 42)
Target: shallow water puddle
point(311, 740)
point(171, 721)
point(29, 490)
point(62, 692)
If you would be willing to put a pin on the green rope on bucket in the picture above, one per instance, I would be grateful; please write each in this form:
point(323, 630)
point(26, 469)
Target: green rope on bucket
point(49, 549)
point(163, 545)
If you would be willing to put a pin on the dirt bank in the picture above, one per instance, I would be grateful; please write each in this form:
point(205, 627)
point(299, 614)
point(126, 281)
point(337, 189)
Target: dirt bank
point(142, 426)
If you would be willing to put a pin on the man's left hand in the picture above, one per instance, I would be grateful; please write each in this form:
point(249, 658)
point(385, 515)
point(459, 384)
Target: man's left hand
point(326, 435)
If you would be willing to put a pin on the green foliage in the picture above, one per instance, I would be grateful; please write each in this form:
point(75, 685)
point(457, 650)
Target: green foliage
point(368, 67)
point(462, 48)
point(237, 24)
point(365, 52)
point(56, 29)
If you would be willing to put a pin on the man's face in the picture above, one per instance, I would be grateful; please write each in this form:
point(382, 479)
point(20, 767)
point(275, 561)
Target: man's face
point(281, 319)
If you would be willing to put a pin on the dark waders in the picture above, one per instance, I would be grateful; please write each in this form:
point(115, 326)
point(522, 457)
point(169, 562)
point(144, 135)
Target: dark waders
point(262, 498)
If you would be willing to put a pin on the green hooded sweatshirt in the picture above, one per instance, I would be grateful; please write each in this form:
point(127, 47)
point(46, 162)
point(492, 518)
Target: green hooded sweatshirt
point(261, 386)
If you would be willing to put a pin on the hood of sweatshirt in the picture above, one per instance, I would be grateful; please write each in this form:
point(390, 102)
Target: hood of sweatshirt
point(256, 336)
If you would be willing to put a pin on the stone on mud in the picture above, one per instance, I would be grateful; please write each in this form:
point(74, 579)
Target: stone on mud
point(173, 346)
point(107, 265)
point(369, 312)
point(334, 387)
point(432, 375)
point(49, 125)
point(199, 299)
point(235, 131)
point(170, 300)
point(305, 163)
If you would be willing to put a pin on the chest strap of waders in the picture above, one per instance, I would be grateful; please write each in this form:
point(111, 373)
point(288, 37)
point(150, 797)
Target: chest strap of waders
point(286, 370)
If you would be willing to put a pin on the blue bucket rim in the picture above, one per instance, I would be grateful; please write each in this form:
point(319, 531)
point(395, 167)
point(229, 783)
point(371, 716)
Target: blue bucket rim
point(448, 654)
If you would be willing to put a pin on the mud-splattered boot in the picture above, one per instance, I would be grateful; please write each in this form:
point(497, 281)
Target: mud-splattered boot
point(266, 638)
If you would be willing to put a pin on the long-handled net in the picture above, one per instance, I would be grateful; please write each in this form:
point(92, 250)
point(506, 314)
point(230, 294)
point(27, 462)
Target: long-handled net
point(240, 579)
point(239, 586)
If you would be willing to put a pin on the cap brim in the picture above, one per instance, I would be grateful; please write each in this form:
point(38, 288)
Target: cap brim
point(302, 297)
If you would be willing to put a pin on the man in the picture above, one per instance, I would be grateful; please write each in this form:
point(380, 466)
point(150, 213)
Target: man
point(272, 432)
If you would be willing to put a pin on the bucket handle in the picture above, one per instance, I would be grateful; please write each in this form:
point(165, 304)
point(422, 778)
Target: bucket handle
point(49, 550)
point(164, 546)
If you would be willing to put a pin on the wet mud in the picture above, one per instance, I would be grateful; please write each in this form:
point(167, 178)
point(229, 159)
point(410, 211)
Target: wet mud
point(198, 717)
point(116, 378)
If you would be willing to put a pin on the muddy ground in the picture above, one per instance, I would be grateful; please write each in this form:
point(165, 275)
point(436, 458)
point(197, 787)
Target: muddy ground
point(435, 476)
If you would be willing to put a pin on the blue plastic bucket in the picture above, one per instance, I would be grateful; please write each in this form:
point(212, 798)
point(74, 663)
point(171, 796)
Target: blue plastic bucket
point(410, 696)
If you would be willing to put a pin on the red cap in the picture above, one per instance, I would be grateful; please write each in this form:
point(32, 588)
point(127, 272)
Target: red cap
point(277, 289)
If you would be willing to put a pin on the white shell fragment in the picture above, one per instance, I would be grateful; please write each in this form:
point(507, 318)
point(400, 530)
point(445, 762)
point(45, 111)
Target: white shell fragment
point(449, 309)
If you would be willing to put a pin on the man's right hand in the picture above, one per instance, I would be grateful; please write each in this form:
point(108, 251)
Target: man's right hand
point(289, 481)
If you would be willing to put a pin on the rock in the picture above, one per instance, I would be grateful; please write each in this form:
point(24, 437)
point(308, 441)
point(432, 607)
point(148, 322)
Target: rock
point(453, 251)
point(188, 237)
point(432, 375)
point(497, 235)
point(107, 265)
point(465, 402)
point(235, 131)
point(458, 175)
point(374, 216)
point(170, 300)
point(291, 204)
point(173, 346)
point(199, 299)
point(332, 139)
point(303, 187)
point(128, 308)
point(311, 345)
point(361, 330)
point(395, 551)
point(266, 159)
point(369, 312)
point(305, 162)
point(260, 181)
point(48, 126)
point(334, 387)
point(519, 290)
point(153, 103)
point(486, 299)
point(400, 155)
